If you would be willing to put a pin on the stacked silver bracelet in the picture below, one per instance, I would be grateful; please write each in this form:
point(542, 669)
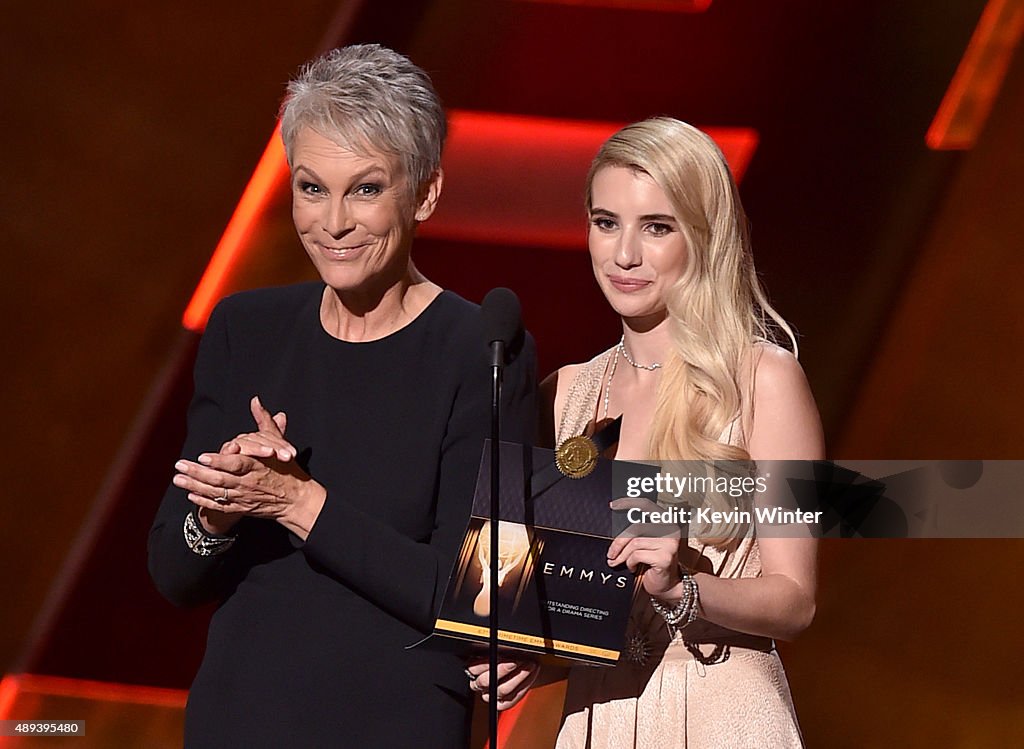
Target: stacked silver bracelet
point(200, 541)
point(686, 610)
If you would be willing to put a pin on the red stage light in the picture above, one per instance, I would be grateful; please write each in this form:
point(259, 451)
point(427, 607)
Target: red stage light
point(977, 80)
point(507, 722)
point(59, 686)
point(8, 693)
point(517, 180)
point(271, 168)
point(114, 714)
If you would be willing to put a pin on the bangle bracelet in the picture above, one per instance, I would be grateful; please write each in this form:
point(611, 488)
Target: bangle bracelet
point(202, 542)
point(694, 599)
point(686, 610)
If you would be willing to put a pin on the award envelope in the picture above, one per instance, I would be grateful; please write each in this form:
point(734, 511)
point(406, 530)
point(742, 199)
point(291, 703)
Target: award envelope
point(557, 594)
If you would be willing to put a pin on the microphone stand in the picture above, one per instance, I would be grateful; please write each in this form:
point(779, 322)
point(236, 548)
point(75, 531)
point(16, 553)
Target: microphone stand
point(497, 363)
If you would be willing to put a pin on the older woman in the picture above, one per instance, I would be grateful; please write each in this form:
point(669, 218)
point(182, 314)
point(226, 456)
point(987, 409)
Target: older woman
point(329, 548)
point(695, 376)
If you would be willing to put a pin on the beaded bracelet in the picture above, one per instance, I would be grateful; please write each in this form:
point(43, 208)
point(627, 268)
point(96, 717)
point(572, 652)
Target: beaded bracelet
point(200, 541)
point(686, 610)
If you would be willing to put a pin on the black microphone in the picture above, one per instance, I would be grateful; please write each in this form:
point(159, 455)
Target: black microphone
point(503, 331)
point(503, 324)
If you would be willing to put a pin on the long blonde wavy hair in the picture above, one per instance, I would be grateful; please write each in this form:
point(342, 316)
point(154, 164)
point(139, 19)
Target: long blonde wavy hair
point(717, 310)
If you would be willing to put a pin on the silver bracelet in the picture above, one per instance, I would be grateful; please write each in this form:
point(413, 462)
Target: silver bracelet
point(686, 610)
point(200, 541)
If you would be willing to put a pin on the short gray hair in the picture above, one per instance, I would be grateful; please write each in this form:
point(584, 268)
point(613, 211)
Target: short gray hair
point(368, 95)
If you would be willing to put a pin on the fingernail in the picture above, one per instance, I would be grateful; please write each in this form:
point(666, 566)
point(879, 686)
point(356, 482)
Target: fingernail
point(205, 459)
point(178, 481)
point(182, 466)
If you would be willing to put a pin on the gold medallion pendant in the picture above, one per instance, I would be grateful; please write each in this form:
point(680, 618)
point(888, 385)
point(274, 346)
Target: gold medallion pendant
point(576, 457)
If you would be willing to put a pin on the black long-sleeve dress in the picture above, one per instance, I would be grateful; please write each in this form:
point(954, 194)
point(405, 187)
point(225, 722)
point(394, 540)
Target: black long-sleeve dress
point(308, 647)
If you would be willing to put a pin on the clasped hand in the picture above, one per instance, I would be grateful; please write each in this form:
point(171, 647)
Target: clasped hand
point(254, 474)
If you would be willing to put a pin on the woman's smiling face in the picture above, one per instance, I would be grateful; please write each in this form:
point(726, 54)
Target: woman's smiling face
point(354, 212)
point(636, 245)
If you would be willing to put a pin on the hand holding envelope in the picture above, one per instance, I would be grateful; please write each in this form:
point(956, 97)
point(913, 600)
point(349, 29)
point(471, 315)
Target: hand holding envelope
point(650, 549)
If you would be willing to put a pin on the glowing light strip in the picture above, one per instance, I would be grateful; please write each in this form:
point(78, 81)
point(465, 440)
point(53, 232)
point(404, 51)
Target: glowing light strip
point(517, 180)
point(271, 168)
point(59, 686)
point(978, 78)
point(8, 692)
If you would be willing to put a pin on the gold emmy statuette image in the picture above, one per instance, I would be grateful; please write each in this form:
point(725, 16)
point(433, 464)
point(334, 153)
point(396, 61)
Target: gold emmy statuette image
point(513, 545)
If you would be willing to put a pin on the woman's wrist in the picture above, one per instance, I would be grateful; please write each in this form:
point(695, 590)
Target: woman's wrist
point(672, 596)
point(217, 523)
point(301, 515)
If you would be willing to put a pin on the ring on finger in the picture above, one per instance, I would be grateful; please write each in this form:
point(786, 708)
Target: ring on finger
point(222, 499)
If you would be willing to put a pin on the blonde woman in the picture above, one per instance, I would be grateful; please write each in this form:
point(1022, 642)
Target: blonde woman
point(696, 375)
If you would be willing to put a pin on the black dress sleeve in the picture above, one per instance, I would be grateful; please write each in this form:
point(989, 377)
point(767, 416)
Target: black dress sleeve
point(402, 576)
point(182, 576)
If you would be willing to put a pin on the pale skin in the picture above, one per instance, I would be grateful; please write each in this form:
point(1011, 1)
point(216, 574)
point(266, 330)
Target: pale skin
point(637, 252)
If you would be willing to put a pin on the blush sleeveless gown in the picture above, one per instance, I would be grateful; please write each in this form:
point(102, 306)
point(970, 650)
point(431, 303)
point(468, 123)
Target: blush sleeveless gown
point(712, 690)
